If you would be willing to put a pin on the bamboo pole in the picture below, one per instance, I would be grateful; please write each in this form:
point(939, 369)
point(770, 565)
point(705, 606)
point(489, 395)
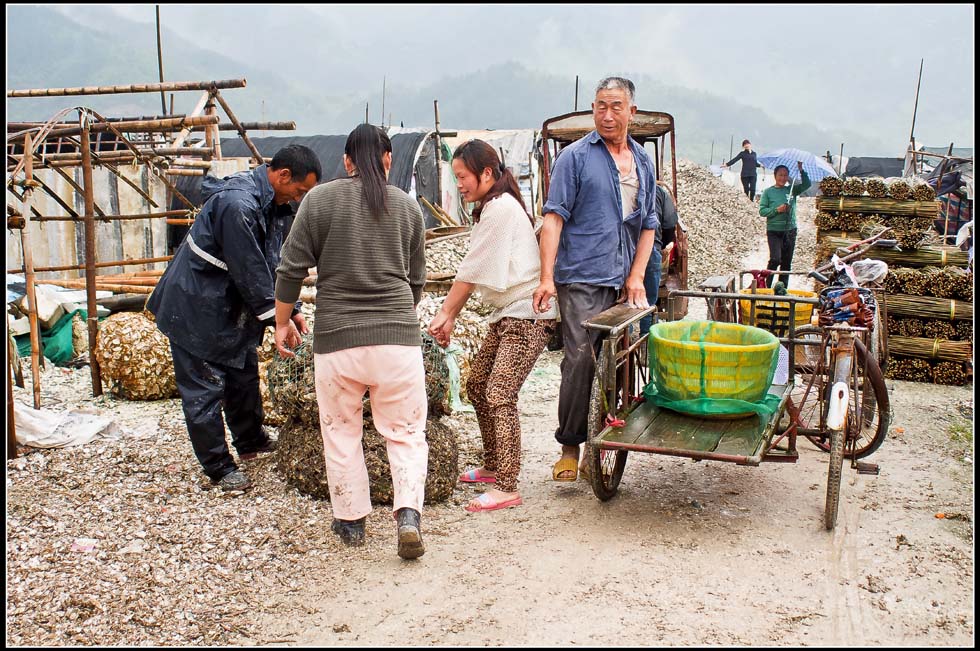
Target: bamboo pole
point(241, 131)
point(163, 93)
point(25, 244)
point(212, 111)
point(436, 213)
point(109, 218)
point(140, 126)
point(93, 318)
point(185, 172)
point(132, 88)
point(186, 131)
point(102, 287)
point(253, 126)
point(98, 265)
point(11, 428)
point(75, 158)
point(13, 127)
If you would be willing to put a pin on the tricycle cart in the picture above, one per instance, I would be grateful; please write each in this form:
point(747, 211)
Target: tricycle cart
point(622, 421)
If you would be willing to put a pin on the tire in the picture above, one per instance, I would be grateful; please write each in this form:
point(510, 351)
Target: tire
point(869, 393)
point(605, 466)
point(835, 466)
point(811, 368)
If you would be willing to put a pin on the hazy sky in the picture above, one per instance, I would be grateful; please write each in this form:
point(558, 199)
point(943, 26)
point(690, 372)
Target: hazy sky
point(846, 66)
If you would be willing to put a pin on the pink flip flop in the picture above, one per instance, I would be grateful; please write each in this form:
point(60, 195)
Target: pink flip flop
point(487, 503)
point(474, 477)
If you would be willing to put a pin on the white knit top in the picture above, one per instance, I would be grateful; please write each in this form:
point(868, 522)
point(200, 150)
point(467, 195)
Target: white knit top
point(629, 187)
point(504, 261)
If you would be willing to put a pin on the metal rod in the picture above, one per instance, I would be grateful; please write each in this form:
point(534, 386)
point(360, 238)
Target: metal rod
point(576, 93)
point(916, 107)
point(840, 160)
point(731, 147)
point(384, 80)
point(132, 88)
point(93, 318)
point(163, 93)
point(25, 243)
point(435, 107)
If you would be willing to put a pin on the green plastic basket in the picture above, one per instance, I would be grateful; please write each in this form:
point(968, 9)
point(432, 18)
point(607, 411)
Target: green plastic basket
point(692, 360)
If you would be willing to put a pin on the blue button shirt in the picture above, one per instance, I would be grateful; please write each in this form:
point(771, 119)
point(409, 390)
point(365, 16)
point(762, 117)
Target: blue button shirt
point(597, 244)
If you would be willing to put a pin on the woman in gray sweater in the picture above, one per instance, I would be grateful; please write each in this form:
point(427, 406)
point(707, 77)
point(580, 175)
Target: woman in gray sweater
point(367, 240)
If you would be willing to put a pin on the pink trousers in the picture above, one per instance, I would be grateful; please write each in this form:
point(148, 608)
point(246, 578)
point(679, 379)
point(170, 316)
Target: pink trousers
point(395, 379)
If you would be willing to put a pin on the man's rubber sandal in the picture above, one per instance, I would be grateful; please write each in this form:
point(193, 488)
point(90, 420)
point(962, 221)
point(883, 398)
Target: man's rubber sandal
point(474, 477)
point(563, 465)
point(487, 504)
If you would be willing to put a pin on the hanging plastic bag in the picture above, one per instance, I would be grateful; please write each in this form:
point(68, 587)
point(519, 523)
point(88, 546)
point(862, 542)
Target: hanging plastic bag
point(869, 271)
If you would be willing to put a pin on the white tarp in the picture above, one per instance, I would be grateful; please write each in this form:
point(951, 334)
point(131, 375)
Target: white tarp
point(43, 428)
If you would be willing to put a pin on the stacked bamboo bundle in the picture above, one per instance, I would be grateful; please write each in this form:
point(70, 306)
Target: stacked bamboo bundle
point(929, 293)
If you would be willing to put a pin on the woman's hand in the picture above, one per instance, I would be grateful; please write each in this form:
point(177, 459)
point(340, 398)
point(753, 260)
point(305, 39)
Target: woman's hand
point(783, 208)
point(441, 327)
point(300, 322)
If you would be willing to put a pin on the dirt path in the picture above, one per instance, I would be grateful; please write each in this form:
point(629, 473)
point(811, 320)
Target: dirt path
point(687, 553)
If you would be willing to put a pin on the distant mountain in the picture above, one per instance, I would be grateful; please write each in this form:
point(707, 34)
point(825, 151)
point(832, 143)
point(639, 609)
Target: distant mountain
point(109, 50)
point(124, 52)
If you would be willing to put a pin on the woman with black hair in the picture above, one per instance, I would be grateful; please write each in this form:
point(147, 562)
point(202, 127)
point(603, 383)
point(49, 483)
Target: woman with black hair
point(750, 161)
point(367, 240)
point(503, 265)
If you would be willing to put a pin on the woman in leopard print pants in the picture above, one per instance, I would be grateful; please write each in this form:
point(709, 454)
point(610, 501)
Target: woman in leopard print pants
point(503, 265)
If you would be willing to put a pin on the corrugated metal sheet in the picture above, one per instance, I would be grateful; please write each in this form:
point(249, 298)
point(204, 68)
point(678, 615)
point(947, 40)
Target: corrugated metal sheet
point(63, 243)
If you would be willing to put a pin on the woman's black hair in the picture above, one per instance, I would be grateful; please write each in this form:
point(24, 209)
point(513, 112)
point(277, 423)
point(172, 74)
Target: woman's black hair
point(365, 147)
point(477, 156)
point(746, 142)
point(780, 167)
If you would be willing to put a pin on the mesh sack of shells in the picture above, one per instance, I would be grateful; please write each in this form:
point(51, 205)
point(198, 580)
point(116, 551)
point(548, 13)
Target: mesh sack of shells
point(436, 375)
point(876, 187)
point(922, 191)
point(79, 335)
point(899, 190)
point(292, 389)
point(831, 186)
point(299, 460)
point(134, 358)
point(853, 187)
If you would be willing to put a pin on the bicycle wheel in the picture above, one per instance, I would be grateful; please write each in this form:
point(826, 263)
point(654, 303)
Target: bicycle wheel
point(811, 363)
point(835, 466)
point(869, 404)
point(605, 466)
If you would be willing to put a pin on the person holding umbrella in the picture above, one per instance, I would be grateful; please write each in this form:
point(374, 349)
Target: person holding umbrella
point(778, 206)
point(749, 164)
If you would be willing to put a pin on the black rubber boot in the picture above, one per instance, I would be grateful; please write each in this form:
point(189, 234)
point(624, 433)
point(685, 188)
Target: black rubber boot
point(351, 532)
point(409, 533)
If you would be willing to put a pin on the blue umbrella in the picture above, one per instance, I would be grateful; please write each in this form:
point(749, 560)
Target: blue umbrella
point(816, 168)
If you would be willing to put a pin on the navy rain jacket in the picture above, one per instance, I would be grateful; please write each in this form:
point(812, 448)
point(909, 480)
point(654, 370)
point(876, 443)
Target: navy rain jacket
point(218, 293)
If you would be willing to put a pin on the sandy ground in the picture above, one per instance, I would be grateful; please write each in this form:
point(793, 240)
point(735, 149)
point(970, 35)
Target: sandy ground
point(686, 554)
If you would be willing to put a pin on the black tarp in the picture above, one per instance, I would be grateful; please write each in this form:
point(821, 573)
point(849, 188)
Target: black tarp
point(873, 166)
point(330, 150)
